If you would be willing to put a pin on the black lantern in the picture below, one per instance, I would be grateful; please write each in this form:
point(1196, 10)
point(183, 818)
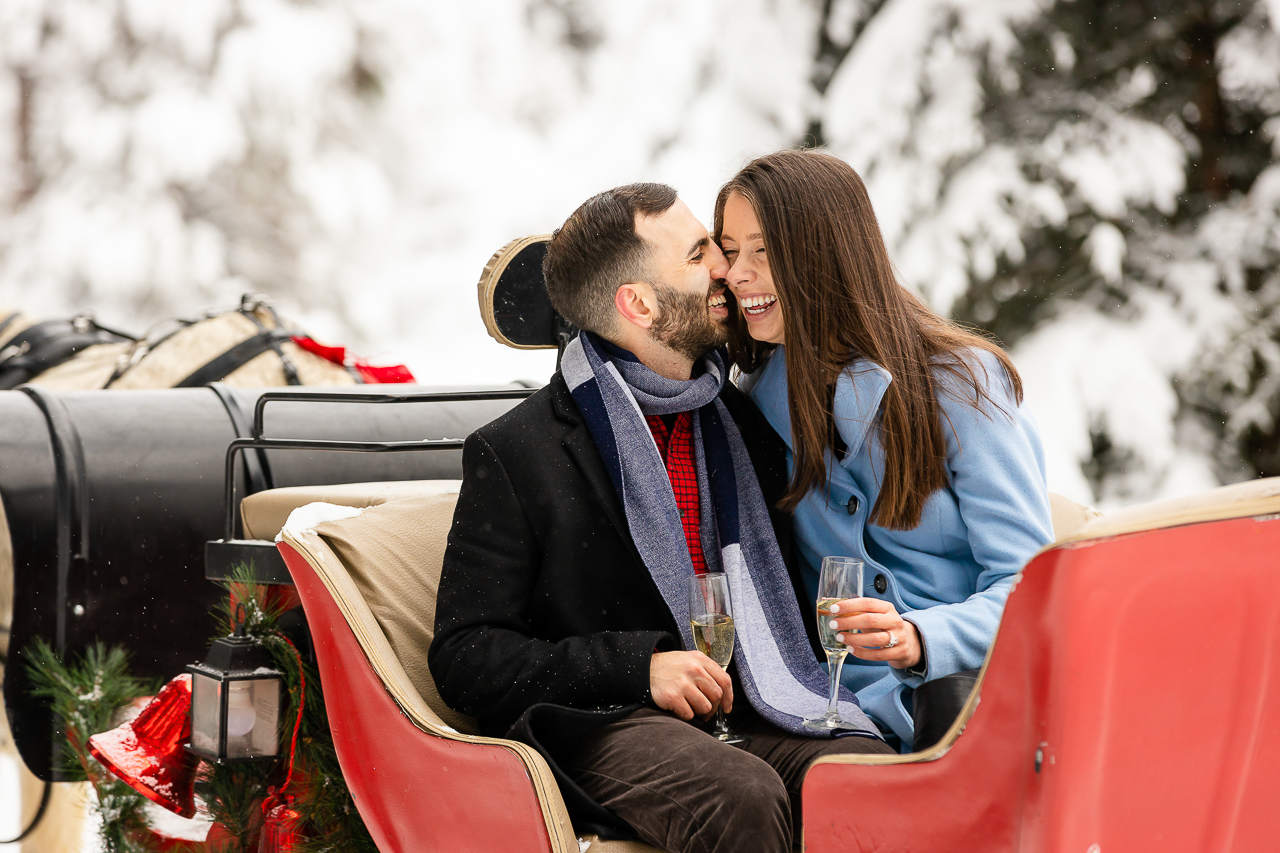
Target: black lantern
point(235, 702)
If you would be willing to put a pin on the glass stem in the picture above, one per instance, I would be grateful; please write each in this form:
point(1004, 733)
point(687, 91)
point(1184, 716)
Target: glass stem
point(835, 663)
point(721, 728)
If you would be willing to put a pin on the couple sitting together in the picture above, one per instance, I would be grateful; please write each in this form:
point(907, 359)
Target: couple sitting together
point(862, 425)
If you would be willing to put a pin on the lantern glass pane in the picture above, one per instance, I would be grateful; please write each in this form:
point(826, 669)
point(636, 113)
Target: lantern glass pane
point(206, 707)
point(253, 709)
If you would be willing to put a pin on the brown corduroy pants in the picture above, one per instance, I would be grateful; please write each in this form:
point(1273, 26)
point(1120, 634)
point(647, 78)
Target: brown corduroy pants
point(685, 792)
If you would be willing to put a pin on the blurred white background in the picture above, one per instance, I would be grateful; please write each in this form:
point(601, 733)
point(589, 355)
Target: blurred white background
point(1095, 185)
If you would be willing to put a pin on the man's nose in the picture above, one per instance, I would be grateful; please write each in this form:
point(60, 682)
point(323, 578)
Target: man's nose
point(719, 265)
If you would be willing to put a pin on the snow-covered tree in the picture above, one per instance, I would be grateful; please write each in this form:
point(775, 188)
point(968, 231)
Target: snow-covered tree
point(1095, 183)
point(357, 160)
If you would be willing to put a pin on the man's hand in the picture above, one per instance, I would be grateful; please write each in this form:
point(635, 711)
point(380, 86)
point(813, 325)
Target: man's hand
point(885, 635)
point(689, 684)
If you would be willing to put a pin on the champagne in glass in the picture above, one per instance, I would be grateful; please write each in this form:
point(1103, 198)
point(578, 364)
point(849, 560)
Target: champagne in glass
point(713, 635)
point(711, 618)
point(841, 578)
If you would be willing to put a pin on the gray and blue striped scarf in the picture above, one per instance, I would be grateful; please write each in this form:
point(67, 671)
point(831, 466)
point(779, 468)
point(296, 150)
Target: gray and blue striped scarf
point(615, 393)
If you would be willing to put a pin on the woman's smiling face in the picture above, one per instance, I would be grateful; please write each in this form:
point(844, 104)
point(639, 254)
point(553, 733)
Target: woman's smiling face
point(742, 240)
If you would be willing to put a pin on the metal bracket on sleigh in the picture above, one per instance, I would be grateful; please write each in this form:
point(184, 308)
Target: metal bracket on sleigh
point(516, 312)
point(223, 556)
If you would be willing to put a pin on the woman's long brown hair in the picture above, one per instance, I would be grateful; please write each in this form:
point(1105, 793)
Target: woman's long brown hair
point(840, 300)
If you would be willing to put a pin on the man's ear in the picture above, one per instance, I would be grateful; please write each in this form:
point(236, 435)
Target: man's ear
point(637, 303)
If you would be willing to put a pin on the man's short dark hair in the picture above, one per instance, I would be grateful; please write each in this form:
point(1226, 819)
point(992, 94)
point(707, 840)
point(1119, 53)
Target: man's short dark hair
point(597, 250)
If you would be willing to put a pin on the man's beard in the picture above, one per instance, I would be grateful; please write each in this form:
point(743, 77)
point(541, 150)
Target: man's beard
point(684, 325)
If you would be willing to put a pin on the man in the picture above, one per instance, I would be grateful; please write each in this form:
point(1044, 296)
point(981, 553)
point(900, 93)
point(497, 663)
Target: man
point(562, 616)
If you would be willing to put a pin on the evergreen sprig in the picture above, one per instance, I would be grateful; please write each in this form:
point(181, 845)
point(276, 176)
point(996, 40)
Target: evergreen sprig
point(233, 795)
point(329, 819)
point(87, 695)
point(262, 609)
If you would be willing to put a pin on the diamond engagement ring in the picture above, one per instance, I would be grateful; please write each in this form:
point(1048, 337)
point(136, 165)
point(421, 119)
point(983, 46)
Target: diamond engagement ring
point(893, 641)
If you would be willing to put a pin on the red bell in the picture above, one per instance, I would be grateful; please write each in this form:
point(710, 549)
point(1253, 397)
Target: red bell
point(147, 752)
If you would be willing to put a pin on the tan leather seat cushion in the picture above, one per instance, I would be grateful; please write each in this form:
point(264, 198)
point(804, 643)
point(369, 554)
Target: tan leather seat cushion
point(265, 513)
point(393, 553)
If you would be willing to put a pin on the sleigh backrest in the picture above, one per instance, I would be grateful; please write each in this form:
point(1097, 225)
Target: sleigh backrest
point(514, 304)
point(388, 561)
point(418, 778)
point(419, 775)
point(1103, 724)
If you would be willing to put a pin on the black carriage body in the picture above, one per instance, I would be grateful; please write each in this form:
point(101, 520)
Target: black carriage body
point(110, 497)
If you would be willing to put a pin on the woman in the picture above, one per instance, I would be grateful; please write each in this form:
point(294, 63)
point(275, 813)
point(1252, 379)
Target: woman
point(910, 448)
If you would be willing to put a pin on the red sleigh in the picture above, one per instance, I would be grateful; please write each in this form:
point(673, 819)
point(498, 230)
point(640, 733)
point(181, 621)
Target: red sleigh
point(1130, 702)
point(1107, 714)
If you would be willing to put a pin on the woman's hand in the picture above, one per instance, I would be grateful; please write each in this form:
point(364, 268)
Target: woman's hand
point(885, 635)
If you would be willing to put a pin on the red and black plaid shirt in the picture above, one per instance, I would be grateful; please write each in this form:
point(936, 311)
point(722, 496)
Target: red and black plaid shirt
point(676, 447)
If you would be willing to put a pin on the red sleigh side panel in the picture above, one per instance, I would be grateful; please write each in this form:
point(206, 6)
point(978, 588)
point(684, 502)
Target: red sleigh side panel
point(415, 791)
point(1131, 702)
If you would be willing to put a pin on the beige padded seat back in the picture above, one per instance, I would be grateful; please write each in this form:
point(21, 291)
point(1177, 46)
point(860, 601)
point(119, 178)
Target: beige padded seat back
point(382, 568)
point(1068, 516)
point(393, 556)
point(393, 553)
point(265, 513)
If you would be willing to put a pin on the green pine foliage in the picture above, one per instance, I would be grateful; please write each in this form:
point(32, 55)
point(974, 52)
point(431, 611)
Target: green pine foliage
point(1089, 65)
point(330, 821)
point(87, 694)
point(1107, 73)
point(233, 795)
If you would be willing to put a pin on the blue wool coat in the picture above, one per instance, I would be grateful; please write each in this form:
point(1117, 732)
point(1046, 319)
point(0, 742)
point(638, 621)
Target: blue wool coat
point(949, 576)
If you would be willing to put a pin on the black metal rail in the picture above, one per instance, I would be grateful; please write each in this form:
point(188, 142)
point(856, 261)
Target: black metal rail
point(257, 441)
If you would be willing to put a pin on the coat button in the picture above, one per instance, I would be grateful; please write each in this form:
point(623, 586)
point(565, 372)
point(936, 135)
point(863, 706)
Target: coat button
point(852, 505)
point(881, 584)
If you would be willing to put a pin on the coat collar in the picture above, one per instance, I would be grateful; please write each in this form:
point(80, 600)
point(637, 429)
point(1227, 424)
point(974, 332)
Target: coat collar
point(860, 390)
point(859, 393)
point(581, 448)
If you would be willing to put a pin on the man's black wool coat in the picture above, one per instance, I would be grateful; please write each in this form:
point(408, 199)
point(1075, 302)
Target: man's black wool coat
point(543, 596)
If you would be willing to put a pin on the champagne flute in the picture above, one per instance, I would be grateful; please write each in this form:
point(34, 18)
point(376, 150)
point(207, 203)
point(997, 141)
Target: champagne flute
point(841, 578)
point(711, 617)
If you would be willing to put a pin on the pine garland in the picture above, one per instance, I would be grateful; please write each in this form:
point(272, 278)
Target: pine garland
point(330, 821)
point(234, 793)
point(89, 694)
